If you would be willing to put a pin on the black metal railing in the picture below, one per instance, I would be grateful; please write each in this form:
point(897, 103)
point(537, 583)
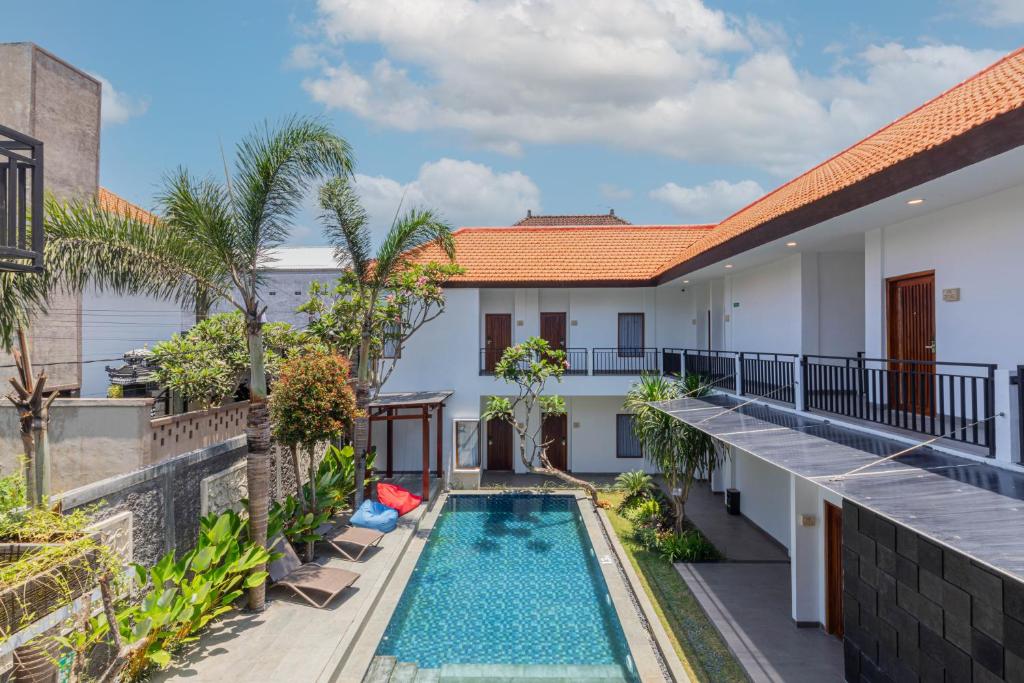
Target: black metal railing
point(718, 367)
point(672, 362)
point(769, 375)
point(955, 400)
point(1018, 381)
point(625, 361)
point(576, 358)
point(21, 201)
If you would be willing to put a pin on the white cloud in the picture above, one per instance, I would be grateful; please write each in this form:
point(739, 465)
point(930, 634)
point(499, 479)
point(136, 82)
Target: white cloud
point(118, 107)
point(464, 192)
point(998, 12)
point(708, 203)
point(613, 192)
point(666, 76)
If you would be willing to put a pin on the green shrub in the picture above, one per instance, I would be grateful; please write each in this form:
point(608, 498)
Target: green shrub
point(689, 546)
point(645, 513)
point(635, 486)
point(646, 537)
point(115, 391)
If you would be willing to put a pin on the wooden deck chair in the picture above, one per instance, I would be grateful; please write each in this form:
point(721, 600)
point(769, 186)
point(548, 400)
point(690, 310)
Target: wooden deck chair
point(362, 538)
point(304, 579)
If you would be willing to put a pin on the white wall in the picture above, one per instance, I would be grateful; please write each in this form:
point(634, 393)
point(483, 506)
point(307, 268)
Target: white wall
point(841, 309)
point(591, 422)
point(285, 290)
point(975, 246)
point(763, 305)
point(764, 495)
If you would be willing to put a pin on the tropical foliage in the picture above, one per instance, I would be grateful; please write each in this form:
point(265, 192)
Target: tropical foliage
point(382, 299)
point(213, 244)
point(207, 364)
point(679, 451)
point(635, 485)
point(528, 367)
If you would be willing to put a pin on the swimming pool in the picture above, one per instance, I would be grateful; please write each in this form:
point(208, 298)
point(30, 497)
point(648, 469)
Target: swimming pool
point(509, 579)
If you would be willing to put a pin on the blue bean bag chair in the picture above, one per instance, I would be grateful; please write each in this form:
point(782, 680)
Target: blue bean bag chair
point(374, 515)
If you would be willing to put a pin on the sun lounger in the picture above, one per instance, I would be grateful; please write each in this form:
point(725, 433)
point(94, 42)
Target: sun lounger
point(306, 579)
point(353, 535)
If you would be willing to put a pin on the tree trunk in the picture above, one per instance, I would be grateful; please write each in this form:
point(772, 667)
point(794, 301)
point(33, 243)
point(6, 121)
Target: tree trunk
point(549, 469)
point(41, 456)
point(257, 463)
point(361, 438)
point(298, 476)
point(311, 545)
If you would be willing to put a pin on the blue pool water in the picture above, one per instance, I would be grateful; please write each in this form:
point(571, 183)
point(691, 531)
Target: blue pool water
point(507, 579)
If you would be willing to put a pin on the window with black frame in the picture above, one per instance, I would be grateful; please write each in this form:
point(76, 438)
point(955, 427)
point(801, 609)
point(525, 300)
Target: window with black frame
point(626, 443)
point(631, 335)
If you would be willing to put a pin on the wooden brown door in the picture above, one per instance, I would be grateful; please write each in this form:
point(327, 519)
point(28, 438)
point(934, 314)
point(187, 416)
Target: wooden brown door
point(497, 337)
point(834, 570)
point(911, 313)
point(555, 434)
point(499, 445)
point(552, 330)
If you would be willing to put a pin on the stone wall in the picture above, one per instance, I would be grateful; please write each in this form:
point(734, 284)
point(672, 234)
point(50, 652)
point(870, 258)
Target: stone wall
point(166, 500)
point(914, 610)
point(197, 429)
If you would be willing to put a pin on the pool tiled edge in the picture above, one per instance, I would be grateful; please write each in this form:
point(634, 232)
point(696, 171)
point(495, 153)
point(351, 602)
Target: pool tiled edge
point(352, 667)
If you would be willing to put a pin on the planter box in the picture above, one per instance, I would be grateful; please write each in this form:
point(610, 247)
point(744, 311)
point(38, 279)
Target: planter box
point(38, 595)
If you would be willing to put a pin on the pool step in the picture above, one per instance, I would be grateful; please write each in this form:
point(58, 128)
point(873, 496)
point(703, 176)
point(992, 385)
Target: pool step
point(539, 673)
point(380, 670)
point(404, 672)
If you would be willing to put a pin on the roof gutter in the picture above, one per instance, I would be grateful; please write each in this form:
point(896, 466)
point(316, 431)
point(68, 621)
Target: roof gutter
point(1001, 134)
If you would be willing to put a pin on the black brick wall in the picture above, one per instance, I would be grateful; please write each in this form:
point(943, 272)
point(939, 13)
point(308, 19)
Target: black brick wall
point(915, 611)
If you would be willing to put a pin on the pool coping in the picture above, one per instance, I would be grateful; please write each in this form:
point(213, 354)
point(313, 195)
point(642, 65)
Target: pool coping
point(647, 647)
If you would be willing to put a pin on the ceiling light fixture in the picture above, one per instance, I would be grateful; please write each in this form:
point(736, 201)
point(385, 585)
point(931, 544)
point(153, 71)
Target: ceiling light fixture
point(790, 244)
point(915, 202)
point(686, 282)
point(728, 265)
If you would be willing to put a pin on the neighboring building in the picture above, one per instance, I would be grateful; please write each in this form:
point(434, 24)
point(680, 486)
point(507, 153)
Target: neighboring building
point(46, 98)
point(877, 290)
point(288, 277)
point(551, 221)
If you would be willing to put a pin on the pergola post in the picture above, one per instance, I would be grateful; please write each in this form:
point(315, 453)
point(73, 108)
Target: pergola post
point(390, 445)
point(439, 425)
point(426, 454)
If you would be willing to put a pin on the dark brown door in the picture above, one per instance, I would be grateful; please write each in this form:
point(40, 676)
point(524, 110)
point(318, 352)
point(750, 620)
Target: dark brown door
point(497, 337)
point(834, 570)
point(911, 313)
point(555, 434)
point(552, 330)
point(499, 445)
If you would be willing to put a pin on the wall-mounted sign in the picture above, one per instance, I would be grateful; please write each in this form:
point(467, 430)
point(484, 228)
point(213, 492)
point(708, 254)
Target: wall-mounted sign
point(951, 294)
point(735, 304)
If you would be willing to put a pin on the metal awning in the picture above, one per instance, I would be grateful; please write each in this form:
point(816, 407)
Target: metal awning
point(972, 507)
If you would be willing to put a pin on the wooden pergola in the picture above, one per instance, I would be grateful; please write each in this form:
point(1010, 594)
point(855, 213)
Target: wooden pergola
point(389, 407)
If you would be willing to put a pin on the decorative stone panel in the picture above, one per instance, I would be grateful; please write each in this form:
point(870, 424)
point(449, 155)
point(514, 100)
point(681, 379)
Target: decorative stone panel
point(116, 532)
point(224, 490)
point(917, 611)
point(177, 434)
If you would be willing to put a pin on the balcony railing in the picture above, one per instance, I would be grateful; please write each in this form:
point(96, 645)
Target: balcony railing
point(577, 359)
point(21, 202)
point(625, 361)
point(717, 367)
point(951, 400)
point(769, 375)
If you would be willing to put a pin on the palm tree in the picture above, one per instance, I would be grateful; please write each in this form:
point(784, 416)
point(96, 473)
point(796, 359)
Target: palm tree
point(213, 245)
point(680, 452)
point(345, 224)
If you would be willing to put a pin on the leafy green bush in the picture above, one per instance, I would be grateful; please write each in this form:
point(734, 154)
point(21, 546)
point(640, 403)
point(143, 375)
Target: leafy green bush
point(183, 595)
point(636, 486)
point(646, 537)
point(645, 513)
point(689, 546)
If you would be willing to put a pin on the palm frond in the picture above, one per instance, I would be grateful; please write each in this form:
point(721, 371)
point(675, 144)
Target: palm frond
point(22, 296)
point(415, 228)
point(88, 245)
point(344, 220)
point(273, 168)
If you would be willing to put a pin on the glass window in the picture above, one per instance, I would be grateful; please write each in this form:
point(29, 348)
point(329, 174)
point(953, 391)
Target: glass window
point(631, 334)
point(626, 443)
point(467, 444)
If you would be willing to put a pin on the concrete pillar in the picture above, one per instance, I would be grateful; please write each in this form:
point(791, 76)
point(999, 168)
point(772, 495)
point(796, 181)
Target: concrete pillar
point(1005, 400)
point(806, 553)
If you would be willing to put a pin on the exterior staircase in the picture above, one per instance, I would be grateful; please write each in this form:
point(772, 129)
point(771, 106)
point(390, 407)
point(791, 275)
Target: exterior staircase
point(390, 670)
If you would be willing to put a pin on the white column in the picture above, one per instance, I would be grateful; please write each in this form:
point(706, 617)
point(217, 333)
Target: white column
point(805, 555)
point(1005, 398)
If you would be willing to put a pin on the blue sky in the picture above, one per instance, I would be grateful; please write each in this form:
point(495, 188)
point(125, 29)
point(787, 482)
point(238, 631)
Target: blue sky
point(667, 110)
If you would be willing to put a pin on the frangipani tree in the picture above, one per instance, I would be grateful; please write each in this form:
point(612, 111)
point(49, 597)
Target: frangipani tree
point(528, 367)
point(680, 452)
point(214, 242)
point(381, 299)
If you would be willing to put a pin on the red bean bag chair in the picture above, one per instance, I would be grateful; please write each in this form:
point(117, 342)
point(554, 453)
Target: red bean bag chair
point(398, 498)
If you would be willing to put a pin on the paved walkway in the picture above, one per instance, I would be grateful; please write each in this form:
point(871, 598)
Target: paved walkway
point(291, 641)
point(747, 597)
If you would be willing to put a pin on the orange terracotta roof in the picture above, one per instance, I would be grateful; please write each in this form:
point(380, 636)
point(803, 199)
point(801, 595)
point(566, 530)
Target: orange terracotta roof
point(551, 221)
point(996, 91)
point(553, 256)
point(108, 201)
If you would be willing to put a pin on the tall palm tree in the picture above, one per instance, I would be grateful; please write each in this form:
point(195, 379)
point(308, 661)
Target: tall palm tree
point(345, 224)
point(214, 243)
point(680, 452)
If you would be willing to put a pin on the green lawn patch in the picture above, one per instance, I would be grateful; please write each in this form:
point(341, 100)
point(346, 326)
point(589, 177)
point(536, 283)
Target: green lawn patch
point(696, 640)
